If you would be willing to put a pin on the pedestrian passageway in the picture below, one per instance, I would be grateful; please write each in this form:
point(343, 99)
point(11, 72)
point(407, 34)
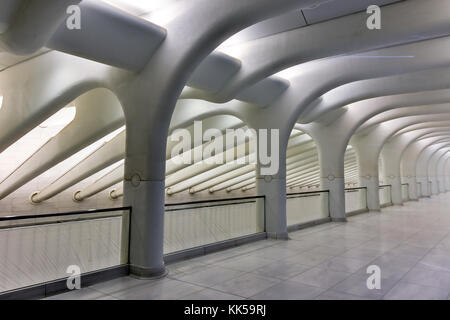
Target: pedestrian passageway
point(410, 244)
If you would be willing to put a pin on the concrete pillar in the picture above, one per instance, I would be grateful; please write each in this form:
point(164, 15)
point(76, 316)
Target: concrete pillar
point(271, 183)
point(332, 141)
point(149, 100)
point(373, 195)
point(144, 185)
point(336, 187)
point(396, 189)
point(271, 179)
point(332, 177)
point(274, 189)
point(392, 172)
point(147, 227)
point(408, 168)
point(412, 187)
point(424, 188)
point(368, 154)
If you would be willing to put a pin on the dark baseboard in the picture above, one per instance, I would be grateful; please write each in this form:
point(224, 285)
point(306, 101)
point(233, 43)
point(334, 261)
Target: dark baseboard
point(356, 212)
point(210, 248)
point(305, 225)
point(47, 289)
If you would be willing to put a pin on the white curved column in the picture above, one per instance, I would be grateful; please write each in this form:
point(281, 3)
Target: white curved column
point(148, 119)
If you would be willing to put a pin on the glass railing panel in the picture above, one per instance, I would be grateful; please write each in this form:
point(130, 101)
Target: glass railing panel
point(385, 195)
point(197, 224)
point(306, 207)
point(355, 200)
point(405, 192)
point(36, 249)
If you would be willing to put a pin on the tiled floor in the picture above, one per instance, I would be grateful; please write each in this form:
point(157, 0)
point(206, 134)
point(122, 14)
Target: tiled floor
point(411, 245)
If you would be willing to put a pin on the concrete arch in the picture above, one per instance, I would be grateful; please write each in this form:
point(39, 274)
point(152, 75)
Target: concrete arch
point(333, 138)
point(446, 175)
point(409, 162)
point(442, 173)
point(425, 160)
point(394, 149)
point(434, 79)
point(337, 36)
point(373, 134)
point(50, 81)
point(434, 173)
point(163, 79)
point(98, 113)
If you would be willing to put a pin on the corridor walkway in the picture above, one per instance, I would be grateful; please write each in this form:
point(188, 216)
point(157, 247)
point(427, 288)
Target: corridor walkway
point(411, 245)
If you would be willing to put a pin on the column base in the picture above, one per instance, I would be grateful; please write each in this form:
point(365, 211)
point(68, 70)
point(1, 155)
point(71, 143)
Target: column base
point(339, 219)
point(148, 273)
point(278, 236)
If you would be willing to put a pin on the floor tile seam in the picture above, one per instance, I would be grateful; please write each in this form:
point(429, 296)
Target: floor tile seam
point(406, 273)
point(244, 273)
point(171, 280)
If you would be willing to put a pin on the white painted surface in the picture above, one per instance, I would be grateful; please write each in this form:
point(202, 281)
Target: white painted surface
point(405, 192)
point(355, 200)
point(385, 195)
point(208, 223)
point(301, 209)
point(36, 254)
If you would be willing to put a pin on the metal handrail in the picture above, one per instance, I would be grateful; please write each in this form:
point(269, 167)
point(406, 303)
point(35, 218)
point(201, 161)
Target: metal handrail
point(355, 189)
point(68, 214)
point(217, 204)
point(61, 214)
point(307, 193)
point(310, 194)
point(213, 200)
